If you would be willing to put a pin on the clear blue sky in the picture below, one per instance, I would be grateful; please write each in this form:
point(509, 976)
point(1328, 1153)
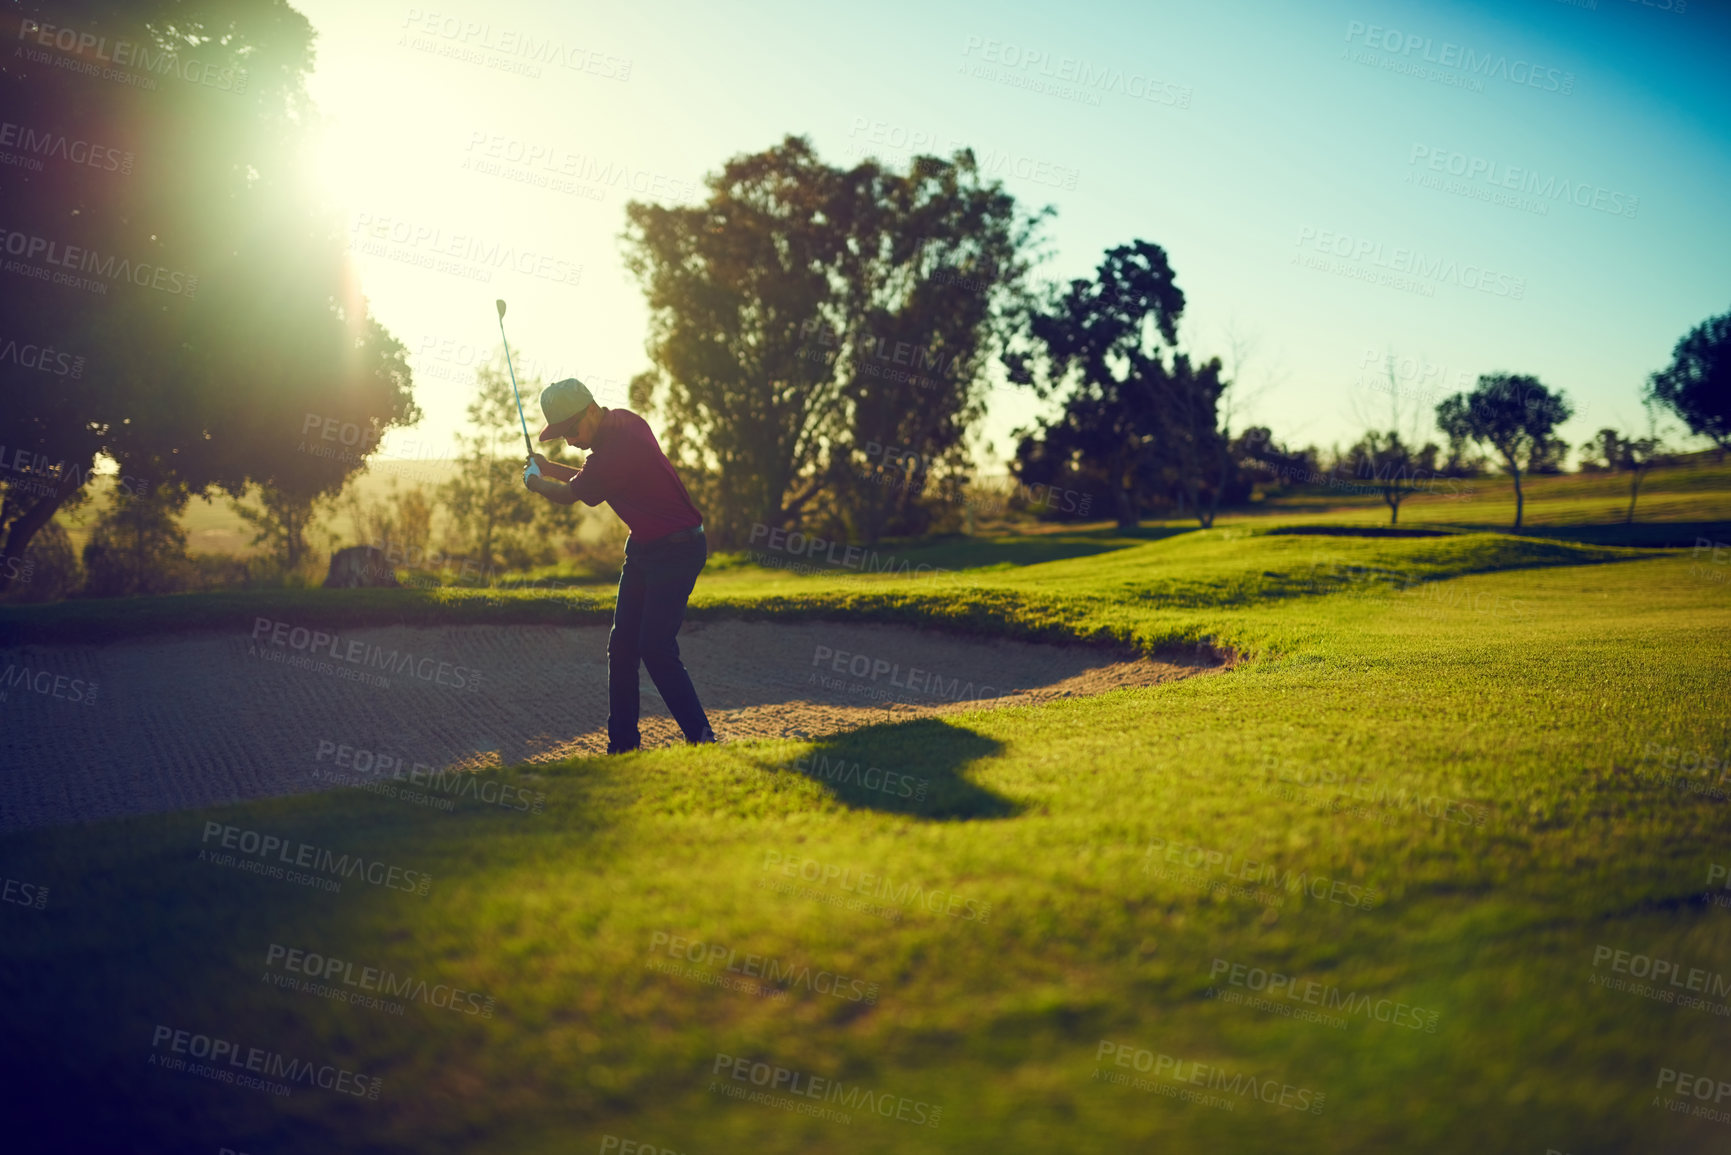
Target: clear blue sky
point(1282, 154)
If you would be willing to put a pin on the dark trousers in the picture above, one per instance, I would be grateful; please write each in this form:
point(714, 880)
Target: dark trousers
point(654, 586)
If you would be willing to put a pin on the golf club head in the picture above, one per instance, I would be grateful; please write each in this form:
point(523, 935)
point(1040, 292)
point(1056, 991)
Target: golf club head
point(500, 303)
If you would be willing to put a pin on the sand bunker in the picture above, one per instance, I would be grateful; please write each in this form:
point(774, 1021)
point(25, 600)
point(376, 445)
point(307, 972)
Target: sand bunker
point(146, 726)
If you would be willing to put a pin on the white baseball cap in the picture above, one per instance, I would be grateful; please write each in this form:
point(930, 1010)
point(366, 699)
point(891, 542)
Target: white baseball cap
point(560, 402)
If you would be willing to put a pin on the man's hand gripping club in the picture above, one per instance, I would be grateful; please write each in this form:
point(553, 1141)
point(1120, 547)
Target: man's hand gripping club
point(549, 479)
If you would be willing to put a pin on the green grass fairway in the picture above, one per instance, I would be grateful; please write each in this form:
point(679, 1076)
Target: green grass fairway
point(1435, 786)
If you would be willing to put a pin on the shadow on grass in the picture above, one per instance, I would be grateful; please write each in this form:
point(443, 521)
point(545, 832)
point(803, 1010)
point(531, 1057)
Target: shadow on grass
point(915, 768)
point(149, 925)
point(1641, 535)
point(1357, 531)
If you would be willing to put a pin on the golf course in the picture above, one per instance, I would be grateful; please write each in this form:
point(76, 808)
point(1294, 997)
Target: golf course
point(932, 579)
point(1435, 860)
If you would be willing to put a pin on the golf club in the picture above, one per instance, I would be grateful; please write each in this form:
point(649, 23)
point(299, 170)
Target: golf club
point(526, 445)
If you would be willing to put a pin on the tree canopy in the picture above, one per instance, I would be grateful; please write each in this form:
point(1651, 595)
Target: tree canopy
point(805, 314)
point(185, 264)
point(1696, 386)
point(1514, 414)
point(1133, 420)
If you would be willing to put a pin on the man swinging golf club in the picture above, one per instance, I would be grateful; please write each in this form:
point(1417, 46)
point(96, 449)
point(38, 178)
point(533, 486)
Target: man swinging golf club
point(663, 556)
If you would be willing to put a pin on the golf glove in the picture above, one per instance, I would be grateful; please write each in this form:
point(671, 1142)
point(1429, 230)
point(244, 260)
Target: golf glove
point(530, 470)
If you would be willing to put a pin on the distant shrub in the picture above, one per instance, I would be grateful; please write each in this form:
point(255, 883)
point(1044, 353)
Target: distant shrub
point(137, 547)
point(47, 572)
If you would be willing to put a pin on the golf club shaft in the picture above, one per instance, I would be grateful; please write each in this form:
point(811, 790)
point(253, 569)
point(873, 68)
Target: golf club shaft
point(525, 421)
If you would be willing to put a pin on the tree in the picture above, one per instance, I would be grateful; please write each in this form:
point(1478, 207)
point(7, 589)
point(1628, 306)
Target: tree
point(1696, 386)
point(1393, 465)
point(1195, 449)
point(1515, 414)
point(47, 572)
point(1128, 415)
point(1232, 480)
point(805, 314)
point(492, 514)
point(1602, 452)
point(400, 523)
point(1622, 452)
point(1270, 462)
point(137, 545)
point(1637, 455)
point(279, 523)
point(1392, 457)
point(216, 316)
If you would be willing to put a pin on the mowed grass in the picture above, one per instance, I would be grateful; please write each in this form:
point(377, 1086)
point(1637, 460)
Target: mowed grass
point(1469, 810)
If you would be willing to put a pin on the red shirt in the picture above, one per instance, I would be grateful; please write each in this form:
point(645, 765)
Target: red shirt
point(628, 471)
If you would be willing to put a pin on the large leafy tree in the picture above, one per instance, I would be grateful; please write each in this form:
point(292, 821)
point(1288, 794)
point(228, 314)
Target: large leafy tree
point(806, 318)
point(1132, 418)
point(1514, 414)
point(1696, 386)
point(224, 318)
